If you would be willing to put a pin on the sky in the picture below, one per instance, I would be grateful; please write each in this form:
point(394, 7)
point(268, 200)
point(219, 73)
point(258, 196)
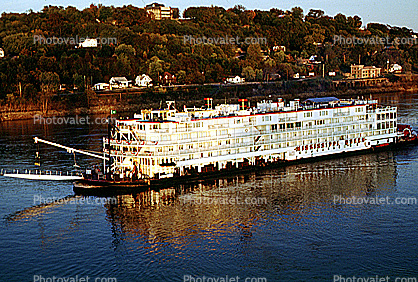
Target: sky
point(402, 13)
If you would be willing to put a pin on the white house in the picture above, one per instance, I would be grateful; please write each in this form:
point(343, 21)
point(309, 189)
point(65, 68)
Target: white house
point(236, 79)
point(119, 82)
point(395, 68)
point(143, 80)
point(296, 75)
point(101, 86)
point(89, 42)
point(313, 59)
point(1, 53)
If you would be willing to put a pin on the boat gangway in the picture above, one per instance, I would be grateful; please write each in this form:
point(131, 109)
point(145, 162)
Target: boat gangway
point(41, 175)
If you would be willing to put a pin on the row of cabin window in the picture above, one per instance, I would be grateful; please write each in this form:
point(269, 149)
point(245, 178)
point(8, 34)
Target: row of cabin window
point(384, 125)
point(386, 116)
point(286, 125)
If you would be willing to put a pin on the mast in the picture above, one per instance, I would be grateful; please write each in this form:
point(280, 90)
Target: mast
point(109, 133)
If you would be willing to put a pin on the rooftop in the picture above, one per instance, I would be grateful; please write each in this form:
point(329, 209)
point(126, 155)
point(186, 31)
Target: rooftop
point(322, 100)
point(119, 79)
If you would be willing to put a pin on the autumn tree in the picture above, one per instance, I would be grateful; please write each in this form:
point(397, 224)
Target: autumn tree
point(90, 96)
point(49, 86)
point(155, 68)
point(248, 73)
point(78, 82)
point(181, 76)
point(259, 74)
point(254, 56)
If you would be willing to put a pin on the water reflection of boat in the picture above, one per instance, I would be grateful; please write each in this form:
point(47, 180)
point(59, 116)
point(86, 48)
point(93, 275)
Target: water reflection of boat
point(170, 216)
point(292, 192)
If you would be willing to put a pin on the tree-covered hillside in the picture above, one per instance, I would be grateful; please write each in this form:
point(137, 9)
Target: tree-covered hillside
point(145, 45)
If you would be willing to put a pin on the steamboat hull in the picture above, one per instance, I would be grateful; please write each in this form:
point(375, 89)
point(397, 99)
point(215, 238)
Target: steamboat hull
point(103, 187)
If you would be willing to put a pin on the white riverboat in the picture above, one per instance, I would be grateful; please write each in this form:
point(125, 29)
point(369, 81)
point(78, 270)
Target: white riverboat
point(168, 146)
point(166, 143)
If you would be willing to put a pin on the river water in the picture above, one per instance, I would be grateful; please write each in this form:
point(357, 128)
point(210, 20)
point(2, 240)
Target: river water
point(305, 222)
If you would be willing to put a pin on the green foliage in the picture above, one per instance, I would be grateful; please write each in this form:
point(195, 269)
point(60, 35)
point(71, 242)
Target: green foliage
point(78, 82)
point(248, 73)
point(297, 13)
point(154, 47)
point(49, 82)
point(254, 56)
point(155, 68)
point(126, 50)
point(14, 44)
point(49, 86)
point(181, 76)
point(259, 74)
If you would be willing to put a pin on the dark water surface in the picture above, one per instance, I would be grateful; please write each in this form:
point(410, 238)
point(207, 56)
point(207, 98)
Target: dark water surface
point(282, 224)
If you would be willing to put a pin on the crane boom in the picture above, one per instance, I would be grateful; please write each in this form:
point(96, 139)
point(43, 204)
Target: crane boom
point(69, 149)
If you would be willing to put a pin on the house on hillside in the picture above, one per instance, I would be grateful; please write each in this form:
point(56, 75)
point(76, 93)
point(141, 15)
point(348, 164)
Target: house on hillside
point(314, 59)
point(395, 68)
point(101, 86)
point(159, 11)
point(1, 53)
point(143, 80)
point(88, 43)
point(168, 78)
point(361, 71)
point(235, 79)
point(119, 82)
